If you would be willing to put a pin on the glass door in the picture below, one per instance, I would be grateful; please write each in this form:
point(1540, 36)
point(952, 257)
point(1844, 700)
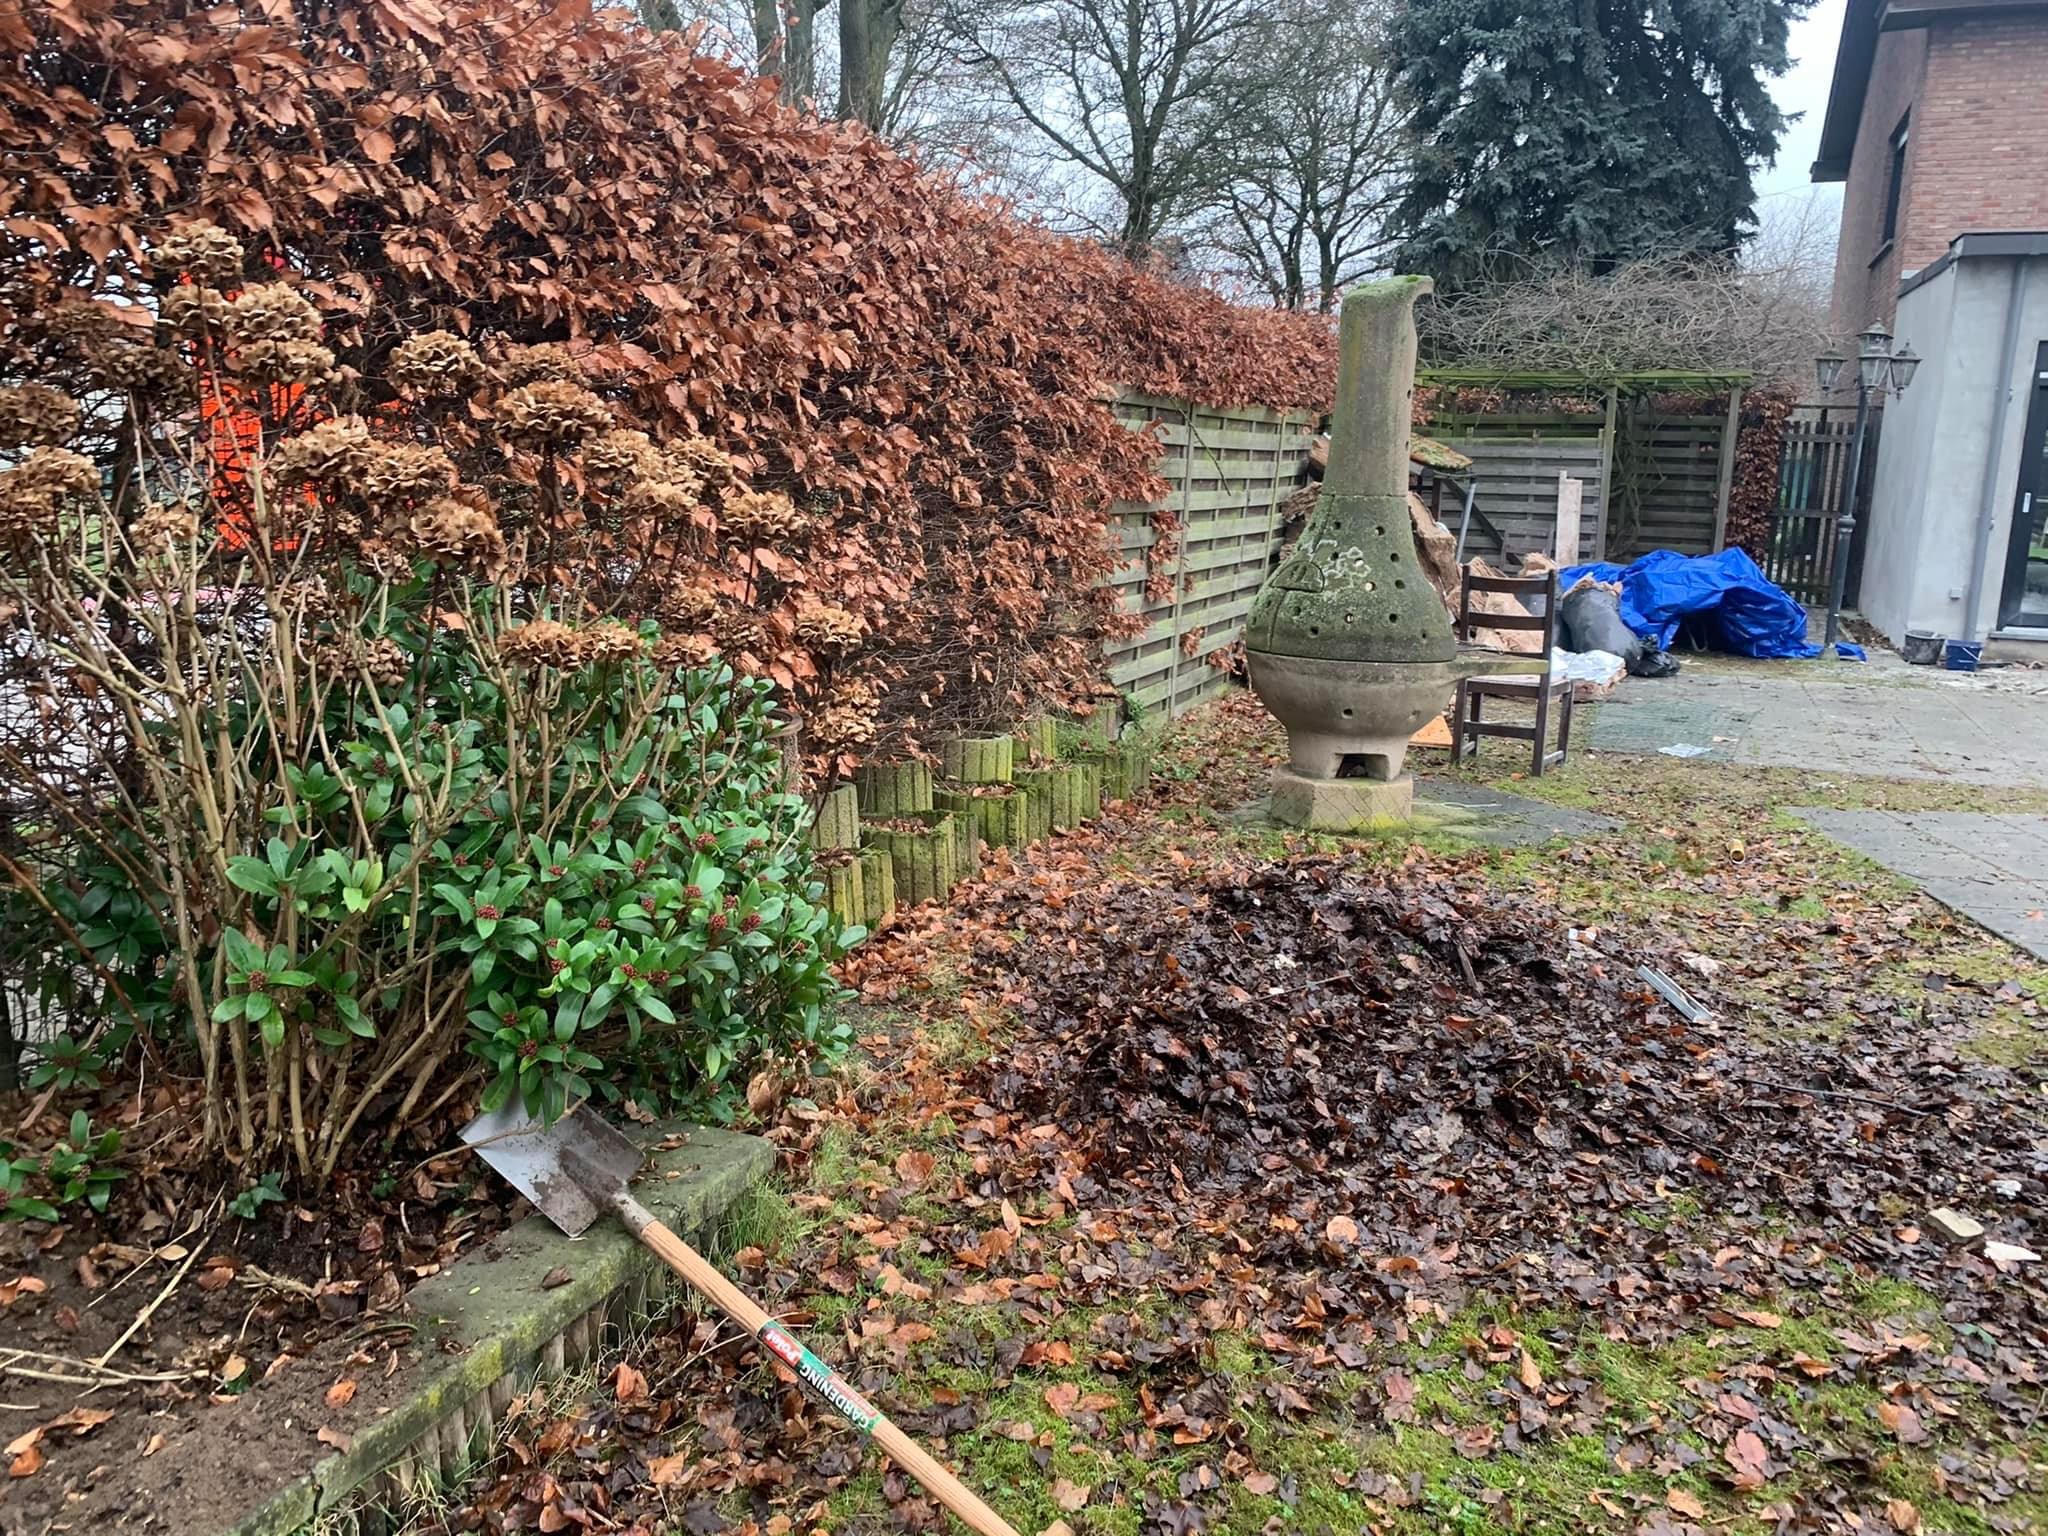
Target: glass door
point(2025, 601)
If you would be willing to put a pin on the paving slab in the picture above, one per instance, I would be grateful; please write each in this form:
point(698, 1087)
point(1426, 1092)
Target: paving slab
point(1509, 821)
point(1991, 868)
point(1882, 721)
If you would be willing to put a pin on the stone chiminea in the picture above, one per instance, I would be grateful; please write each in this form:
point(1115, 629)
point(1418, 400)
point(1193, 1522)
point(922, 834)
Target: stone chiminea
point(1348, 644)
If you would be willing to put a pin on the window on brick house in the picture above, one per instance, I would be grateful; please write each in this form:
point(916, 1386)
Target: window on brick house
point(1895, 182)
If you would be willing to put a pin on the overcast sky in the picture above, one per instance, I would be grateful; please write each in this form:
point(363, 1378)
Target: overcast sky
point(1804, 90)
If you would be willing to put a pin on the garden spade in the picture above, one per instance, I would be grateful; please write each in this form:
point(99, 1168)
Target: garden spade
point(577, 1169)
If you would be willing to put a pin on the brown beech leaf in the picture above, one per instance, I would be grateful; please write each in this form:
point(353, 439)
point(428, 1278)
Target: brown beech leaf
point(339, 1395)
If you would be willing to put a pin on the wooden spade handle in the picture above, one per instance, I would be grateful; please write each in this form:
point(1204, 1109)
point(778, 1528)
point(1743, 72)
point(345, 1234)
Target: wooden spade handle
point(815, 1373)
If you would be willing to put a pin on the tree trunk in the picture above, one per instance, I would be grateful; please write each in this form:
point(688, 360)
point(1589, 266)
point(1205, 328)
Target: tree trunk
point(868, 30)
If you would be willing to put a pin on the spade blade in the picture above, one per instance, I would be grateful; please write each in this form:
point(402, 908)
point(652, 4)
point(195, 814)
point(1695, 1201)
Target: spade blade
point(571, 1170)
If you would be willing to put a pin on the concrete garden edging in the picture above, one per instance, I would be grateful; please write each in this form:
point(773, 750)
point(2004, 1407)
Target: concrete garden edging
point(500, 1327)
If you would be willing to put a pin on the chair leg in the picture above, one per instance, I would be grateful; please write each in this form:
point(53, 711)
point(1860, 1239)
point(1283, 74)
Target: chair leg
point(1564, 723)
point(1542, 728)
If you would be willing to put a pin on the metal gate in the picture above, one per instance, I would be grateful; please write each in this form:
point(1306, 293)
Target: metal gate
point(1813, 479)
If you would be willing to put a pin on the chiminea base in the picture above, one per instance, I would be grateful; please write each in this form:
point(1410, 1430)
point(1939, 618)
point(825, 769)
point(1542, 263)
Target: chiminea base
point(1341, 805)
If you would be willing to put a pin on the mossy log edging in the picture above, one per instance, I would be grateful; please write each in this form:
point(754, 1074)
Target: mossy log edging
point(845, 891)
point(893, 789)
point(1102, 728)
point(927, 862)
point(999, 820)
point(837, 822)
point(1069, 793)
point(978, 759)
point(1035, 788)
point(1038, 741)
point(877, 886)
point(1124, 770)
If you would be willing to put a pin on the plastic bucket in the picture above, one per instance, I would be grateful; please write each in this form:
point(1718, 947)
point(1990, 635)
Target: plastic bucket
point(1963, 655)
point(1922, 647)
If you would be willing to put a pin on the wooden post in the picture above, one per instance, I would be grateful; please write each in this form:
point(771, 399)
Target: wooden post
point(1730, 431)
point(1180, 566)
point(1571, 501)
point(1607, 473)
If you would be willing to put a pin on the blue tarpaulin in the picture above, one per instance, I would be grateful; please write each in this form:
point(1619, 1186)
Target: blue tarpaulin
point(1721, 601)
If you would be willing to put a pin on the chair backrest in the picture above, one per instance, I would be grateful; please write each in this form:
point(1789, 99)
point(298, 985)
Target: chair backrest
point(1521, 588)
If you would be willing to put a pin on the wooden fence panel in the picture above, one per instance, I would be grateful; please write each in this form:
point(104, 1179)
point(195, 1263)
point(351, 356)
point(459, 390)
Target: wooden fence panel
point(1229, 472)
point(1666, 484)
point(1517, 479)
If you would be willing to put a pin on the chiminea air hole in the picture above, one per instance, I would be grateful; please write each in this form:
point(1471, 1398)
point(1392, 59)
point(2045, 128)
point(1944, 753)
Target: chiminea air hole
point(1362, 765)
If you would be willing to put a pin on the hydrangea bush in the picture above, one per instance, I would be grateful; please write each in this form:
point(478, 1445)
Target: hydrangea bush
point(351, 789)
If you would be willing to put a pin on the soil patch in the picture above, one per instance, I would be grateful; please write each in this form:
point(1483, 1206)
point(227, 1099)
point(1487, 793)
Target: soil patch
point(268, 1333)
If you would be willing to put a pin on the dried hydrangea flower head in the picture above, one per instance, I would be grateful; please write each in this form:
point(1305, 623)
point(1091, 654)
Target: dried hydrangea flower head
point(394, 476)
point(34, 415)
point(736, 630)
point(545, 360)
point(710, 465)
point(193, 308)
point(551, 414)
point(457, 535)
point(330, 456)
point(689, 604)
point(760, 517)
point(150, 373)
point(385, 661)
point(33, 494)
point(164, 527)
point(611, 642)
point(845, 719)
point(285, 362)
point(199, 253)
point(684, 651)
point(826, 630)
point(542, 643)
point(435, 363)
point(620, 454)
point(662, 500)
point(272, 312)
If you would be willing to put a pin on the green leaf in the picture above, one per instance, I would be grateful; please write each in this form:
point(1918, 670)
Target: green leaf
point(252, 875)
point(230, 1008)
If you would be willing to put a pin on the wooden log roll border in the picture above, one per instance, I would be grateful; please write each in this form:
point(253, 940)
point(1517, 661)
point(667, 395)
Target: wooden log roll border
point(837, 822)
point(845, 892)
point(893, 789)
point(1123, 771)
point(877, 886)
point(926, 861)
point(1036, 786)
point(1038, 741)
point(1001, 820)
point(978, 759)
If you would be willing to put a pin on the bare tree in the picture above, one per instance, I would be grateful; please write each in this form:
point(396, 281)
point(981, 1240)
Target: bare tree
point(1317, 155)
point(1137, 95)
point(1767, 318)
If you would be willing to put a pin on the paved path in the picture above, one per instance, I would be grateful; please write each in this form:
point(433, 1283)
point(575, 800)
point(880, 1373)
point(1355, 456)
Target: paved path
point(1503, 820)
point(1992, 869)
point(1883, 719)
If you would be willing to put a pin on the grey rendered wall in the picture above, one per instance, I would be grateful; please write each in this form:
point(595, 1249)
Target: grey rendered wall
point(1928, 499)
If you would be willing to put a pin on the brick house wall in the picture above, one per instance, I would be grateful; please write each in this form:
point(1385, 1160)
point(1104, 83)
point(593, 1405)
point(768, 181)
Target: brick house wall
point(1976, 151)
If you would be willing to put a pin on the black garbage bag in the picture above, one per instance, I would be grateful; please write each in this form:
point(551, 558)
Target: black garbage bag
point(1590, 616)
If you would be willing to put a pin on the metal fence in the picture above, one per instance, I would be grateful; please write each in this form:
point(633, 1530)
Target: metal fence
point(1813, 477)
point(1230, 472)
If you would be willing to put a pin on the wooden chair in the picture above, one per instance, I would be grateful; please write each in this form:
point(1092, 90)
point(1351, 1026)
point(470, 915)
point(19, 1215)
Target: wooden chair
point(1548, 690)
